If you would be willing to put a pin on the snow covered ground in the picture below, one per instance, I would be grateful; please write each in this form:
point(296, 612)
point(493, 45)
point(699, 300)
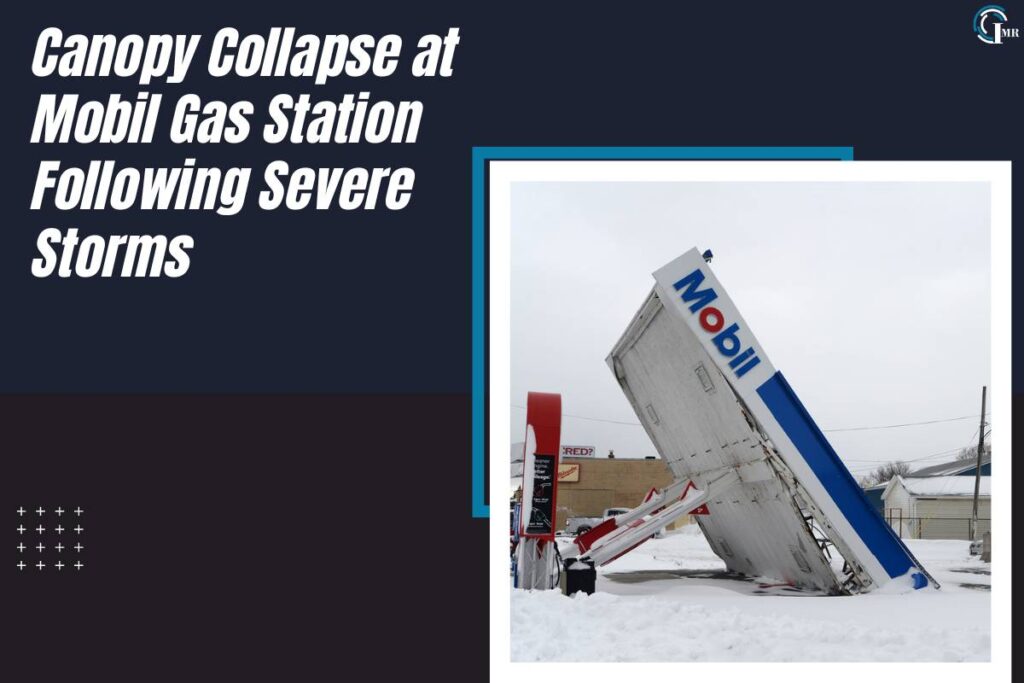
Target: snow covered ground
point(670, 600)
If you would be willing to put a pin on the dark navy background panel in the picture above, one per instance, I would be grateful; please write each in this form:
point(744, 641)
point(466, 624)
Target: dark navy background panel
point(379, 301)
point(242, 538)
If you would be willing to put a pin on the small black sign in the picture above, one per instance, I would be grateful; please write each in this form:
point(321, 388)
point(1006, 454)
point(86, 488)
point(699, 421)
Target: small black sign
point(542, 515)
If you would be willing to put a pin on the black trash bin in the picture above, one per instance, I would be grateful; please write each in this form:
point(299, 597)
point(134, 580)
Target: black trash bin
point(578, 575)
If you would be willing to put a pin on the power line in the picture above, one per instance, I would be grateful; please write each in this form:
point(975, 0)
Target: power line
point(905, 424)
point(867, 468)
point(592, 419)
point(869, 465)
point(877, 463)
point(843, 429)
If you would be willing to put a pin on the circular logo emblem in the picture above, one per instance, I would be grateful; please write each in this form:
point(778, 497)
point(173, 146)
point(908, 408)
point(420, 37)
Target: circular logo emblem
point(987, 24)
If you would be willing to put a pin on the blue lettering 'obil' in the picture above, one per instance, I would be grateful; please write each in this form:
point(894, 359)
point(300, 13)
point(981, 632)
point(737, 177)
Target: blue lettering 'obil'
point(691, 282)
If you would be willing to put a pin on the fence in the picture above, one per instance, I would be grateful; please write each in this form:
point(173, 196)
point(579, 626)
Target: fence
point(956, 528)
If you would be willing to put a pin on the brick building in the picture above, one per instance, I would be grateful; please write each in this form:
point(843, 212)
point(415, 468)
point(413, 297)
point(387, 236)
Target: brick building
point(589, 485)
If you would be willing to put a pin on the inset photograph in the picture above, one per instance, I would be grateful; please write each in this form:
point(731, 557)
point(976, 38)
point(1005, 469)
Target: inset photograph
point(748, 420)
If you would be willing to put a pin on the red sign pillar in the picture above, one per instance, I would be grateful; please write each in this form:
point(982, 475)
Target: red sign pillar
point(544, 418)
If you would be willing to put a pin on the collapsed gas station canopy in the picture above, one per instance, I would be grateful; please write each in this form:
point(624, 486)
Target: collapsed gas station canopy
point(712, 403)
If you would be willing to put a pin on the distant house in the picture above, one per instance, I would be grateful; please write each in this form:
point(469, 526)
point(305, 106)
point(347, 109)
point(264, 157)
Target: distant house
point(936, 506)
point(874, 495)
point(957, 468)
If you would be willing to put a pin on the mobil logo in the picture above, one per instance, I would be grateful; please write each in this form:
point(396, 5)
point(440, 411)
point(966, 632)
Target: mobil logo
point(726, 336)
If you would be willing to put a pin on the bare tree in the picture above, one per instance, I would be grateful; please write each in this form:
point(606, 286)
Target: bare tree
point(884, 473)
point(971, 452)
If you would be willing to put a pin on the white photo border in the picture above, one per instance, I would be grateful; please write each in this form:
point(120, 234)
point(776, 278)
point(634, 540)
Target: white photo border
point(503, 173)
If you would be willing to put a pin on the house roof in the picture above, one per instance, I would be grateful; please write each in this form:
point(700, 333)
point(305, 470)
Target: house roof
point(954, 467)
point(940, 486)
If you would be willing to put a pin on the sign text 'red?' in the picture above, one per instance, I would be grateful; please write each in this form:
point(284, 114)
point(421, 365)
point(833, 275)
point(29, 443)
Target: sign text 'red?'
point(712, 320)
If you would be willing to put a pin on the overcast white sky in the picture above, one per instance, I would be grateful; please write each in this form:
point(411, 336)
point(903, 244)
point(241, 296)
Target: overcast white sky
point(872, 298)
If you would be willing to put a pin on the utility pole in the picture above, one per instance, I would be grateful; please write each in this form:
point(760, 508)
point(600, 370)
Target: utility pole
point(977, 473)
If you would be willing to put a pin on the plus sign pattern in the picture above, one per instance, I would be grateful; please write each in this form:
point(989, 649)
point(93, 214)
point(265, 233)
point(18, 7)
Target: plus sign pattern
point(50, 540)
